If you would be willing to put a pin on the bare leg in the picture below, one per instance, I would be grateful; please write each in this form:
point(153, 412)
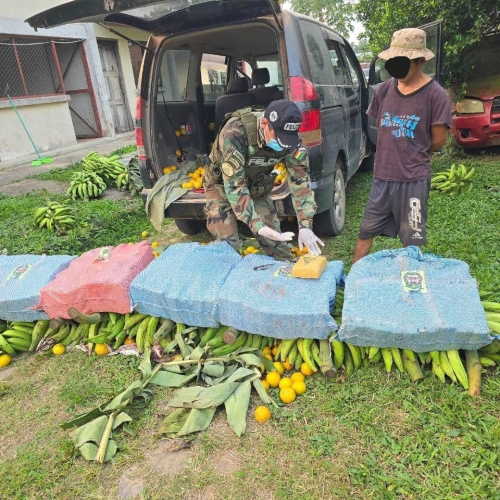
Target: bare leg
point(361, 249)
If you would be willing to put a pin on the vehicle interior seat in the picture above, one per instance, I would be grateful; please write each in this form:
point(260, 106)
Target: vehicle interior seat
point(279, 94)
point(260, 78)
point(237, 97)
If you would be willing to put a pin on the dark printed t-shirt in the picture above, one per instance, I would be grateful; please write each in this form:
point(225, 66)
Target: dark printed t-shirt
point(404, 129)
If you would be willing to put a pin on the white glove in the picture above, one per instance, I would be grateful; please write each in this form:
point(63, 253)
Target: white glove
point(310, 240)
point(271, 234)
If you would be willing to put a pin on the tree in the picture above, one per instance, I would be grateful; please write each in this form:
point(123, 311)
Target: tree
point(338, 14)
point(465, 26)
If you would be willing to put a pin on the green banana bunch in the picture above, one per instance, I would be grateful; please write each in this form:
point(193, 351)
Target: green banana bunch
point(108, 168)
point(492, 314)
point(86, 185)
point(55, 217)
point(122, 181)
point(453, 180)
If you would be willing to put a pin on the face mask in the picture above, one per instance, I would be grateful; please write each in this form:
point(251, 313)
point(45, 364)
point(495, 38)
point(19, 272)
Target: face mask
point(398, 67)
point(273, 144)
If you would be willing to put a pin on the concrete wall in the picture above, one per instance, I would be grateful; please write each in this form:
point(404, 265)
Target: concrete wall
point(47, 119)
point(12, 16)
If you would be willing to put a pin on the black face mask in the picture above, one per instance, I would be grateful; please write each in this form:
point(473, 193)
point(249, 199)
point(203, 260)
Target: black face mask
point(398, 67)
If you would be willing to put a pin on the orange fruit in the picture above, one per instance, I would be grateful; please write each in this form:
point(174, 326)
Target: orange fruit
point(285, 382)
point(101, 349)
point(129, 342)
point(265, 384)
point(275, 350)
point(156, 255)
point(178, 152)
point(144, 234)
point(211, 126)
point(266, 350)
point(273, 379)
point(58, 349)
point(299, 387)
point(279, 367)
point(304, 368)
point(5, 360)
point(155, 244)
point(287, 395)
point(177, 133)
point(297, 376)
point(287, 365)
point(262, 414)
point(166, 170)
point(269, 357)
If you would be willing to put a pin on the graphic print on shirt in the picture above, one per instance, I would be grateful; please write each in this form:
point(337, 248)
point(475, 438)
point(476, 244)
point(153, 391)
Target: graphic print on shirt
point(406, 124)
point(415, 218)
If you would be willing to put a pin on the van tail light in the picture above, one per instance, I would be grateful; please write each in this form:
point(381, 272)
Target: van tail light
point(303, 90)
point(139, 139)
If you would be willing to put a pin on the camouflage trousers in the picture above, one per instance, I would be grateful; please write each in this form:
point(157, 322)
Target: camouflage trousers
point(223, 224)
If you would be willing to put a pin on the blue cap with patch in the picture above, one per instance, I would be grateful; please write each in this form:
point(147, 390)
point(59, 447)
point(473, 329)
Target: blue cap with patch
point(285, 119)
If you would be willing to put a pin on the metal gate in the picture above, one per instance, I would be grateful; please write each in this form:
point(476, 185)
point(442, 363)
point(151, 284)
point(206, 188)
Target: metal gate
point(78, 84)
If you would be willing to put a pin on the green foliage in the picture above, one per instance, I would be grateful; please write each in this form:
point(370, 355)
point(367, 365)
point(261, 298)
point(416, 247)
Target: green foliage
point(465, 26)
point(338, 14)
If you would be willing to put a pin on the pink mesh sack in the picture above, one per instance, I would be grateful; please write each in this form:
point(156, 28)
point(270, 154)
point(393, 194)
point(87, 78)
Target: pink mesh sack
point(97, 281)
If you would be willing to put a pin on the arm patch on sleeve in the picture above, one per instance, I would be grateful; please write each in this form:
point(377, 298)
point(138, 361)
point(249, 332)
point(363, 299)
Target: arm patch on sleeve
point(300, 153)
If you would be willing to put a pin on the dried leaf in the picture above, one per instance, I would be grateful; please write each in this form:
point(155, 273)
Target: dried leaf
point(172, 424)
point(168, 379)
point(237, 407)
point(198, 420)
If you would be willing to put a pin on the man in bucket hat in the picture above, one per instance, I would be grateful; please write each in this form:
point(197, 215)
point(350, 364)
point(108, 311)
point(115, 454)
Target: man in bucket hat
point(239, 180)
point(413, 114)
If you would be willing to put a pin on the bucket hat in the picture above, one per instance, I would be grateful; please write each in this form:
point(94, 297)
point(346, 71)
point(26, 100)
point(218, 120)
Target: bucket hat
point(408, 42)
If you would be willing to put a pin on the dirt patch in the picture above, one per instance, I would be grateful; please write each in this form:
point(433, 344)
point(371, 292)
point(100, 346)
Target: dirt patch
point(226, 463)
point(114, 194)
point(6, 372)
point(167, 458)
point(207, 493)
point(130, 485)
point(29, 185)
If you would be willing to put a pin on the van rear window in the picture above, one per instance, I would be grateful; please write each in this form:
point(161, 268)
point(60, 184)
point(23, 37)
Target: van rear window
point(173, 75)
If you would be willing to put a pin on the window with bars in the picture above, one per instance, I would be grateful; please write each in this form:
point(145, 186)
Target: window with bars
point(29, 68)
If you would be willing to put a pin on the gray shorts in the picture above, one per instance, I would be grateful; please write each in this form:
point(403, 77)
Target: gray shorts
point(397, 209)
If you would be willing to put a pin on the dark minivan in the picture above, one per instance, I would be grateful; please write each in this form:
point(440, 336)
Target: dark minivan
point(206, 58)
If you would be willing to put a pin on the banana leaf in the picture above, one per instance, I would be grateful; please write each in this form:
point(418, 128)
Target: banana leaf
point(174, 422)
point(237, 407)
point(90, 432)
point(202, 397)
point(168, 379)
point(198, 421)
point(89, 451)
point(213, 369)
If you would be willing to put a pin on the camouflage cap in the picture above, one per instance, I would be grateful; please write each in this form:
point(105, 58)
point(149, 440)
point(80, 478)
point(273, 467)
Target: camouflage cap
point(408, 42)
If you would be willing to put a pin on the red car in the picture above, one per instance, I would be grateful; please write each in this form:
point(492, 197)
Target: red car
point(476, 121)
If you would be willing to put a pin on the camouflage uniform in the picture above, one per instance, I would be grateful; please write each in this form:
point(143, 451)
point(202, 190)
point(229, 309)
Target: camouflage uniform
point(239, 181)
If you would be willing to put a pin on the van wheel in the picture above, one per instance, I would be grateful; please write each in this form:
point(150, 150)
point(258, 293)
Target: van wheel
point(190, 226)
point(331, 222)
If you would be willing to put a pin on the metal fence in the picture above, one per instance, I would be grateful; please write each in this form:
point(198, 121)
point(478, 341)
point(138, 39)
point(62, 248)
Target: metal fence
point(32, 67)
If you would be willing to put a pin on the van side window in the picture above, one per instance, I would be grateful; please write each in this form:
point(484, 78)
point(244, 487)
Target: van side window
point(173, 75)
point(342, 75)
point(350, 67)
point(213, 76)
point(274, 68)
point(317, 54)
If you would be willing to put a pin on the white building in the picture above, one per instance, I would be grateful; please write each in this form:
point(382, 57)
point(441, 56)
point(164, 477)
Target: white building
point(67, 83)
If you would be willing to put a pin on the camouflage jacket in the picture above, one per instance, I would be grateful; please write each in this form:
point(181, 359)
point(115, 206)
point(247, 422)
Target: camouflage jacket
point(237, 166)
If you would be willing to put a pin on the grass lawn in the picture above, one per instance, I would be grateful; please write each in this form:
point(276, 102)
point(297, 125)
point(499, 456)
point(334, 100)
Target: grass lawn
point(378, 436)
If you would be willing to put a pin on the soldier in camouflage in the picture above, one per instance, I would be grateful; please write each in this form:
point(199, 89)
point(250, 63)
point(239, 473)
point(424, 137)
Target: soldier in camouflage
point(241, 176)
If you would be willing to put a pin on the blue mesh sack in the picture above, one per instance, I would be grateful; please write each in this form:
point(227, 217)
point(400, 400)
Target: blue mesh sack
point(21, 279)
point(260, 296)
point(403, 298)
point(184, 282)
